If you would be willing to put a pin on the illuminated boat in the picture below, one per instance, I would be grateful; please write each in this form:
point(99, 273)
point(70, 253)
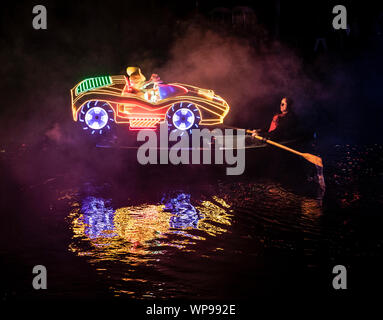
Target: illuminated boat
point(101, 103)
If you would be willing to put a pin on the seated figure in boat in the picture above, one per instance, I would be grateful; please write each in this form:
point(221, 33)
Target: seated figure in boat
point(284, 125)
point(137, 84)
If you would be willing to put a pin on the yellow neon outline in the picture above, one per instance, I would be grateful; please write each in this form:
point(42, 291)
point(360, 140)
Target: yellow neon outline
point(202, 103)
point(161, 116)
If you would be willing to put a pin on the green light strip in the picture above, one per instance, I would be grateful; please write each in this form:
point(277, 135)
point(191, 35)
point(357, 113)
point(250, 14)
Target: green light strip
point(92, 83)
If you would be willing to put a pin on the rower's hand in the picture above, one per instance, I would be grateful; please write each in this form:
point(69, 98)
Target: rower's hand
point(255, 132)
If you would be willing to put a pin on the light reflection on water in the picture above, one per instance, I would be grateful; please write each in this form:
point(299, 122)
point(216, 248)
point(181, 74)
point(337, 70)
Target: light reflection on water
point(138, 235)
point(147, 234)
point(231, 240)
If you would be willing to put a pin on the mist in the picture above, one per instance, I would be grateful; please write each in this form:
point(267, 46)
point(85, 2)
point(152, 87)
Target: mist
point(252, 76)
point(251, 79)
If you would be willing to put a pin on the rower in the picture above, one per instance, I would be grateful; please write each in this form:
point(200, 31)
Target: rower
point(284, 124)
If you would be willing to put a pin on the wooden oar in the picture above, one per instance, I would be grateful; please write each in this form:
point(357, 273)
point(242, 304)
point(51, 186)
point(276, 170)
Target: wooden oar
point(309, 157)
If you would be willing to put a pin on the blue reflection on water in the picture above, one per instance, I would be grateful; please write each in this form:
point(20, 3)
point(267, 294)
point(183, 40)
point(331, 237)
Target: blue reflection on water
point(184, 215)
point(98, 214)
point(98, 217)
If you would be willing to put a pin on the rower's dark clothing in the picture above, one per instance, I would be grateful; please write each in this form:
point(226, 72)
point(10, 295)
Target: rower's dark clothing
point(284, 126)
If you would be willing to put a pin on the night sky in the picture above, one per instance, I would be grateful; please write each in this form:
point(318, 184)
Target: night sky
point(337, 90)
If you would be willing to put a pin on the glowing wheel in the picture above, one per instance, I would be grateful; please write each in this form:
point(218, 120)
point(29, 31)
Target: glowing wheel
point(183, 116)
point(96, 117)
point(183, 119)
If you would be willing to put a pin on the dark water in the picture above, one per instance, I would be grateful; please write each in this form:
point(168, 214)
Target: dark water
point(106, 227)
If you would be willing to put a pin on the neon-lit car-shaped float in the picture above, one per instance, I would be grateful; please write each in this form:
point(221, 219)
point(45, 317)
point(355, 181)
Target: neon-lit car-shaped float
point(100, 103)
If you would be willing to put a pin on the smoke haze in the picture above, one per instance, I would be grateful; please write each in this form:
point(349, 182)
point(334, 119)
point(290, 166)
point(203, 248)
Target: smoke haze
point(252, 76)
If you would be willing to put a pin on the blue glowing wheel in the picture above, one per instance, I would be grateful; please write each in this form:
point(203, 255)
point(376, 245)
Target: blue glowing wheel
point(183, 116)
point(96, 117)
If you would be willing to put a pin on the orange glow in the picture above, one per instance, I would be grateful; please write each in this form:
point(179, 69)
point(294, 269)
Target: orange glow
point(208, 94)
point(132, 107)
point(136, 227)
point(144, 123)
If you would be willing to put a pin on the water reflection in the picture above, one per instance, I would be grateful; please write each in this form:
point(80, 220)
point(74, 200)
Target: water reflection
point(191, 247)
point(311, 207)
point(184, 214)
point(136, 247)
point(136, 234)
point(97, 217)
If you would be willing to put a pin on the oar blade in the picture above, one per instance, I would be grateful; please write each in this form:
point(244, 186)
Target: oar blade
point(313, 159)
point(308, 156)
